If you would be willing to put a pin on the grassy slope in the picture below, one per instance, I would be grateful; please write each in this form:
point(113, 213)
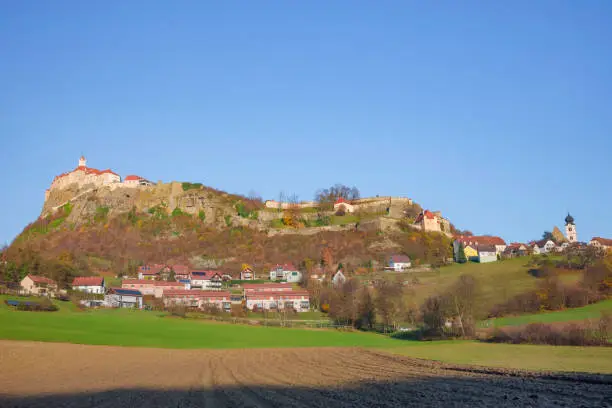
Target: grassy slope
point(150, 329)
point(581, 313)
point(498, 281)
point(530, 357)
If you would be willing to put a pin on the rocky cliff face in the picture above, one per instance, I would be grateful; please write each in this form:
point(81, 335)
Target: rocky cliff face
point(213, 206)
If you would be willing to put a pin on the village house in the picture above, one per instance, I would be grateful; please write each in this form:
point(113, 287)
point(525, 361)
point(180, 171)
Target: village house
point(399, 263)
point(205, 280)
point(247, 273)
point(487, 253)
point(153, 272)
point(89, 284)
point(515, 249)
point(136, 181)
point(603, 243)
point(125, 298)
point(150, 287)
point(471, 252)
point(38, 285)
point(181, 272)
point(198, 299)
point(298, 300)
point(543, 246)
point(283, 272)
point(474, 241)
point(338, 278)
point(432, 222)
point(343, 205)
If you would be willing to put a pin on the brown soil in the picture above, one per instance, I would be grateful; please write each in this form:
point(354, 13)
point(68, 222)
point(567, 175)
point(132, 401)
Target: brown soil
point(66, 375)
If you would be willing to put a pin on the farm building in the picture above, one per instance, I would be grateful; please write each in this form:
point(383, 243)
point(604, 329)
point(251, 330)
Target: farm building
point(151, 287)
point(89, 284)
point(128, 298)
point(38, 285)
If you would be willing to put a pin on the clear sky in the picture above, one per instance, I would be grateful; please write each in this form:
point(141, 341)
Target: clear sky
point(497, 113)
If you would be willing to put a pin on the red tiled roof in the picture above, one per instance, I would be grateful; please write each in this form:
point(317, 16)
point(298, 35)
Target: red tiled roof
point(341, 200)
point(286, 267)
point(180, 269)
point(88, 281)
point(281, 295)
point(164, 283)
point(480, 240)
point(196, 293)
point(203, 275)
point(400, 258)
point(41, 279)
point(132, 177)
point(86, 170)
point(603, 241)
point(138, 282)
point(266, 286)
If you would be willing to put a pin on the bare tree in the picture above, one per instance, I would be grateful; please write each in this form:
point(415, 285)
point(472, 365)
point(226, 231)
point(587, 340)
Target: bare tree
point(389, 302)
point(461, 301)
point(366, 312)
point(327, 197)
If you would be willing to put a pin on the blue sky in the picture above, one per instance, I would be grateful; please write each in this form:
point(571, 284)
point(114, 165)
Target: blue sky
point(499, 114)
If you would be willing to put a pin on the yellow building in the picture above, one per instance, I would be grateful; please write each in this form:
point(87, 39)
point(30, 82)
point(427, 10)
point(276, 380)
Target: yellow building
point(470, 252)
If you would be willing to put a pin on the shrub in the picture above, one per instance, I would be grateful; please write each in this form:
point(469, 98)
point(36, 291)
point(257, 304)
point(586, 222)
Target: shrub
point(202, 215)
point(567, 335)
point(178, 310)
point(191, 186)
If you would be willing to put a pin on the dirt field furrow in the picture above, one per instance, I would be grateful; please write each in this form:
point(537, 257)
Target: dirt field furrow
point(65, 375)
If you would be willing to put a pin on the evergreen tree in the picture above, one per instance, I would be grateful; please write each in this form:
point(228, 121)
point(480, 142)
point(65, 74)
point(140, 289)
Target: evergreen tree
point(461, 254)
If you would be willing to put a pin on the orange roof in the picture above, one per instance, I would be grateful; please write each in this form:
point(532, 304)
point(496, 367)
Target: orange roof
point(88, 281)
point(132, 177)
point(196, 293)
point(480, 240)
point(41, 279)
point(603, 241)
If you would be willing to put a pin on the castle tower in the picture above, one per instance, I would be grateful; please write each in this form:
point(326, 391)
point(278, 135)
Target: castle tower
point(82, 162)
point(570, 229)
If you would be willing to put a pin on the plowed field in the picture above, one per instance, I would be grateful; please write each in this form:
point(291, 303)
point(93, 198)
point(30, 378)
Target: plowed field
point(66, 375)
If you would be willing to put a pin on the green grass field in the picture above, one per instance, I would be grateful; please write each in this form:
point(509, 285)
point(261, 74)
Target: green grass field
point(569, 315)
point(514, 356)
point(153, 329)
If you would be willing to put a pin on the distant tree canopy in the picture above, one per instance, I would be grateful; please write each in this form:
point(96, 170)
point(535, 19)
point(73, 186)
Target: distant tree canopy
point(547, 235)
point(328, 196)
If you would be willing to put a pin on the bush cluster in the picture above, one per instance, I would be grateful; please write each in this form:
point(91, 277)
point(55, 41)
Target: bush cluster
point(561, 335)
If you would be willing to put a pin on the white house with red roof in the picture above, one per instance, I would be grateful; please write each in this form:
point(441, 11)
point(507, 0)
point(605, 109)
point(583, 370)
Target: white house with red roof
point(399, 263)
point(286, 272)
point(476, 241)
point(601, 243)
point(38, 285)
point(343, 204)
point(136, 181)
point(89, 284)
point(205, 280)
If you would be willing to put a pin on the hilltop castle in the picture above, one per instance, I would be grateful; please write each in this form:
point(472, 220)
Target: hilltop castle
point(83, 175)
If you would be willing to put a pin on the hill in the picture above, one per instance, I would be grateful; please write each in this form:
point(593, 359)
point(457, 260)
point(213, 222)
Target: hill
point(88, 225)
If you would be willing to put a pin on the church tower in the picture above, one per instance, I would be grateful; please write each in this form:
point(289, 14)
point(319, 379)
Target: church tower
point(82, 162)
point(570, 229)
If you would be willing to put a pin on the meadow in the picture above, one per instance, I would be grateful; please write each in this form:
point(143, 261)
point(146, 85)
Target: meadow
point(155, 329)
